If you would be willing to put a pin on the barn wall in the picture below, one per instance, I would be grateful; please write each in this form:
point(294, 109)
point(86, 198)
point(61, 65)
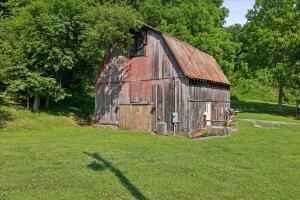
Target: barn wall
point(158, 63)
point(202, 92)
point(141, 105)
point(126, 91)
point(126, 88)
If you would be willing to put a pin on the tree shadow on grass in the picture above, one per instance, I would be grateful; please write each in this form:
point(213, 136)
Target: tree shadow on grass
point(5, 116)
point(101, 164)
point(79, 106)
point(262, 107)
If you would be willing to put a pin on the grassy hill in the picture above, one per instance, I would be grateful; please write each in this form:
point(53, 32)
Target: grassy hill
point(51, 155)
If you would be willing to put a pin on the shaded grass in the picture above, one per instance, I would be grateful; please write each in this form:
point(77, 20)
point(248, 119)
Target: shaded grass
point(44, 156)
point(103, 163)
point(5, 115)
point(259, 89)
point(267, 109)
point(78, 106)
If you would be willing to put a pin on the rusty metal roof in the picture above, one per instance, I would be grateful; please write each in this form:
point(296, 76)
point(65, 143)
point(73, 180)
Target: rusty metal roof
point(194, 63)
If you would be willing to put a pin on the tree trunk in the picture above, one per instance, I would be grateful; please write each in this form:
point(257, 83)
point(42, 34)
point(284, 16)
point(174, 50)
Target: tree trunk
point(60, 78)
point(47, 101)
point(280, 97)
point(36, 103)
point(28, 102)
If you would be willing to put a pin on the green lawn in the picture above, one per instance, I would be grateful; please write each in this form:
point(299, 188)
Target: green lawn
point(47, 156)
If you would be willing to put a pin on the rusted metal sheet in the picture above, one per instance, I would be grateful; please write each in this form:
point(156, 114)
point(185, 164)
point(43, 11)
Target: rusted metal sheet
point(195, 63)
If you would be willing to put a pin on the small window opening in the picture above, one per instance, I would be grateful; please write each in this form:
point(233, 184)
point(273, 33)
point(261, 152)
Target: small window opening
point(138, 46)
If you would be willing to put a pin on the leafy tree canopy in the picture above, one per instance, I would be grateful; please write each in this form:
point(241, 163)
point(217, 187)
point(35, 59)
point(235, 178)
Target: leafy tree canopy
point(197, 22)
point(271, 40)
point(55, 46)
point(51, 48)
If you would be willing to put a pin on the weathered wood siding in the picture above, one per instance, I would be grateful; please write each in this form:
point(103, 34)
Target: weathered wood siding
point(202, 92)
point(158, 63)
point(139, 92)
point(126, 88)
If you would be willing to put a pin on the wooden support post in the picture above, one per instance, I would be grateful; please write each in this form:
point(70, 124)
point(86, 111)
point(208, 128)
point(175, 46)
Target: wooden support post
point(156, 107)
point(175, 105)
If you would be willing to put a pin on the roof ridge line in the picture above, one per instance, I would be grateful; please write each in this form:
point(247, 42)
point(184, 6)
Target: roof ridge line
point(186, 44)
point(194, 51)
point(168, 35)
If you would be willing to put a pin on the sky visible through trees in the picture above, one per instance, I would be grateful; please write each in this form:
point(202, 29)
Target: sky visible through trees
point(237, 11)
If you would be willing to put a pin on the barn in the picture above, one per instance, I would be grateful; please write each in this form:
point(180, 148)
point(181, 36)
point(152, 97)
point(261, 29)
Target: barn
point(161, 80)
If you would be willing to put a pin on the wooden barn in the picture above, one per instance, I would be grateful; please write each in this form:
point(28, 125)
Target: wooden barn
point(162, 79)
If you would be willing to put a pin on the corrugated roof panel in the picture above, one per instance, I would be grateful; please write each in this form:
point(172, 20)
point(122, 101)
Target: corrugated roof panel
point(195, 63)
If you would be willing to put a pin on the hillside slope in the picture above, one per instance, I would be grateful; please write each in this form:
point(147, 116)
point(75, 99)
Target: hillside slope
point(49, 156)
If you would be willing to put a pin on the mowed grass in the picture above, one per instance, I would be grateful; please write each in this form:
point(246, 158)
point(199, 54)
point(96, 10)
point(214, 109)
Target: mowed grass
point(46, 156)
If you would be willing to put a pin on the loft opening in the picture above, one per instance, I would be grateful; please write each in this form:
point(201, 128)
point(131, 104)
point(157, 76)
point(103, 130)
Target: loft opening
point(138, 45)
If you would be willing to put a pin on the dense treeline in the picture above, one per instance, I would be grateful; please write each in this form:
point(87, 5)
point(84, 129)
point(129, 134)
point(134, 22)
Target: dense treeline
point(270, 50)
point(49, 49)
point(53, 47)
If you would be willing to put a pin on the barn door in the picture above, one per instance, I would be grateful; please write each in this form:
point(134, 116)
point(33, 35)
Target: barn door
point(136, 117)
point(196, 116)
point(207, 113)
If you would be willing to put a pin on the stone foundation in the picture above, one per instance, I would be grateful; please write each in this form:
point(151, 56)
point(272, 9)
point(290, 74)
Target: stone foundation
point(219, 131)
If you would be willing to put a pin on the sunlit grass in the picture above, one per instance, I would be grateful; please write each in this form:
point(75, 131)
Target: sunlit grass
point(46, 156)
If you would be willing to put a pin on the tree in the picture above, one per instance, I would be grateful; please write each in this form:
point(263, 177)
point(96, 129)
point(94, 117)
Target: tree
point(197, 22)
point(6, 6)
point(235, 31)
point(58, 45)
point(5, 48)
point(33, 85)
point(272, 40)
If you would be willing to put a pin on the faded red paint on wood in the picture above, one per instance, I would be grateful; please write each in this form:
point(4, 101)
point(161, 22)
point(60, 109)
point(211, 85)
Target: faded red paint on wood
point(127, 90)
